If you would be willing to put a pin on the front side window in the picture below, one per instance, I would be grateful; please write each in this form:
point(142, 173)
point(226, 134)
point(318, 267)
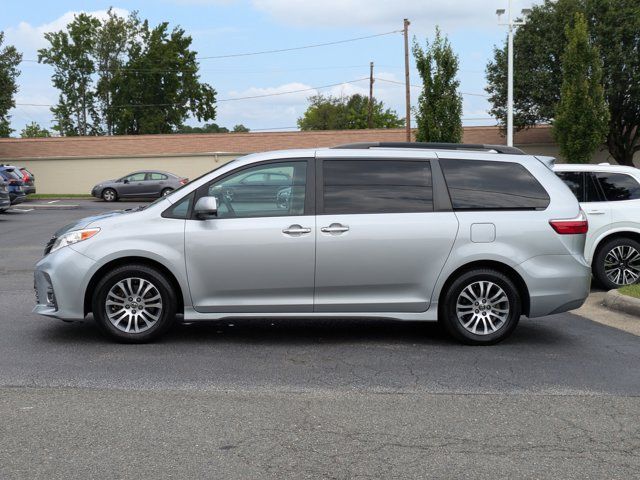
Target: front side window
point(377, 186)
point(250, 193)
point(618, 186)
point(487, 185)
point(136, 177)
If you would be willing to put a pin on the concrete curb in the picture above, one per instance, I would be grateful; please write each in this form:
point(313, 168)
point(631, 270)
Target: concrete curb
point(623, 303)
point(46, 206)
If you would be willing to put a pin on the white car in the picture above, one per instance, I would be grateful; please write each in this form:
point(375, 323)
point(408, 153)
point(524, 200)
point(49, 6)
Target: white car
point(610, 196)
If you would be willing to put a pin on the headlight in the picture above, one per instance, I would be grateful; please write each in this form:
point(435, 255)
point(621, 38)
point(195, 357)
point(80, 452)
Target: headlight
point(75, 236)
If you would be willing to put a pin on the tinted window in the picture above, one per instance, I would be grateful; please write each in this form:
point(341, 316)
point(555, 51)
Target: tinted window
point(575, 181)
point(377, 186)
point(156, 176)
point(248, 194)
point(618, 186)
point(481, 185)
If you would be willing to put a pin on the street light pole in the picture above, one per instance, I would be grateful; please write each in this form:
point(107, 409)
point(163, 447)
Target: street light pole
point(511, 24)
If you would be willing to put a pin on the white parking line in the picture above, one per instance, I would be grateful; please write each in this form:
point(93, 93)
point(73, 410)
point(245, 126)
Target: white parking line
point(53, 201)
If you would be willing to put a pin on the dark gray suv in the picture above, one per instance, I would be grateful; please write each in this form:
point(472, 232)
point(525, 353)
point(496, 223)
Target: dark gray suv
point(143, 184)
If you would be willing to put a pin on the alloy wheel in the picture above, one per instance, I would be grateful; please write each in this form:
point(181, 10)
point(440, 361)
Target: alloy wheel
point(133, 305)
point(482, 308)
point(622, 265)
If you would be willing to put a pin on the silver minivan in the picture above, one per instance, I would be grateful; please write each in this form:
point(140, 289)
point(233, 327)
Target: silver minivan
point(472, 236)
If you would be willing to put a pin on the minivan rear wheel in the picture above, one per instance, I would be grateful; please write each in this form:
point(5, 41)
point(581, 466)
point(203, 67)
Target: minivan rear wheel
point(617, 263)
point(134, 304)
point(481, 307)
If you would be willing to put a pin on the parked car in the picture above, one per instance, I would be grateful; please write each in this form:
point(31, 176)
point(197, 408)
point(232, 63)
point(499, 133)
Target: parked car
point(144, 184)
point(13, 177)
point(472, 236)
point(5, 200)
point(29, 180)
point(610, 197)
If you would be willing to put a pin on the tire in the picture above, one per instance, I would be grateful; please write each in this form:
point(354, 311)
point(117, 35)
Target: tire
point(166, 191)
point(617, 263)
point(151, 316)
point(468, 324)
point(109, 195)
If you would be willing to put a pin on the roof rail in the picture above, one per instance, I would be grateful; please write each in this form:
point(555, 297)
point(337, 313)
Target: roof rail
point(433, 146)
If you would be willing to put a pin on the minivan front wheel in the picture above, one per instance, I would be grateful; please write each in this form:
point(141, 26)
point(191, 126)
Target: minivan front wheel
point(134, 304)
point(481, 307)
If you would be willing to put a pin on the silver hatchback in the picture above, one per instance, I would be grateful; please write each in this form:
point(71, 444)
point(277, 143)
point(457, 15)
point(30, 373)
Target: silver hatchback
point(472, 236)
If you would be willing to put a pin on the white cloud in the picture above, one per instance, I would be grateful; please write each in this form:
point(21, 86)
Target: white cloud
point(424, 14)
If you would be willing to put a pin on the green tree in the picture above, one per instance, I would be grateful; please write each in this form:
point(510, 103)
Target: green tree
point(120, 76)
point(439, 112)
point(9, 61)
point(538, 48)
point(159, 86)
point(206, 128)
point(114, 38)
point(346, 113)
point(240, 128)
point(581, 119)
point(34, 130)
point(70, 54)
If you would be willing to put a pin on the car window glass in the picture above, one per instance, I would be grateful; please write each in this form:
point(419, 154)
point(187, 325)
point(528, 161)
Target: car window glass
point(248, 193)
point(181, 209)
point(618, 186)
point(137, 177)
point(377, 186)
point(575, 182)
point(488, 185)
point(156, 176)
point(591, 190)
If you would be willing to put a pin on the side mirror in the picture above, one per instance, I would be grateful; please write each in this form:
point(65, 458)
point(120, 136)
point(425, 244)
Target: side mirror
point(206, 207)
point(125, 181)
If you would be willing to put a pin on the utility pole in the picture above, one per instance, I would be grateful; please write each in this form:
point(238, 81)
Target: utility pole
point(407, 122)
point(511, 24)
point(370, 113)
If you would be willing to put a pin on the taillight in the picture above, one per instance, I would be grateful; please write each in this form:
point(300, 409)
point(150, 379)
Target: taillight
point(571, 226)
point(184, 181)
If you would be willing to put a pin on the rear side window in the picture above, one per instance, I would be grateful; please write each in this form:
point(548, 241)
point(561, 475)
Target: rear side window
point(582, 184)
point(156, 176)
point(481, 185)
point(618, 186)
point(376, 186)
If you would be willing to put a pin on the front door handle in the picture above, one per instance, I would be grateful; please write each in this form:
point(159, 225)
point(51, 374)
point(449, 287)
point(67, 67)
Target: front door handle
point(296, 230)
point(335, 228)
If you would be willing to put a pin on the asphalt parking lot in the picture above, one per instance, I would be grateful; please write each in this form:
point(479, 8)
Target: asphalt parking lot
point(298, 399)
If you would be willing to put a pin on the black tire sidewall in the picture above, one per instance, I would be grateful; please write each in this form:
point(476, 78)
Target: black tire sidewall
point(598, 261)
point(449, 317)
point(167, 293)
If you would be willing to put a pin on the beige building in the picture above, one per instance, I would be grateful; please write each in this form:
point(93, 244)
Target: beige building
point(74, 164)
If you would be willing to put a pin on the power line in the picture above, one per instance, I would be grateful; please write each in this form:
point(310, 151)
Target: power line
point(279, 50)
point(232, 99)
point(420, 86)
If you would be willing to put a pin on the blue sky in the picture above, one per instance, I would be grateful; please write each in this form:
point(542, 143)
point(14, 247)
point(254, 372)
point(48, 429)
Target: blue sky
point(220, 27)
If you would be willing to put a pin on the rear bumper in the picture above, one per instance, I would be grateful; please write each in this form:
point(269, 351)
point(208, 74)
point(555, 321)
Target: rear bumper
point(29, 189)
point(17, 198)
point(556, 283)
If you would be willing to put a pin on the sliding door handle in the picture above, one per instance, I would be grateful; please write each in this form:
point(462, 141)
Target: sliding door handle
point(296, 230)
point(335, 228)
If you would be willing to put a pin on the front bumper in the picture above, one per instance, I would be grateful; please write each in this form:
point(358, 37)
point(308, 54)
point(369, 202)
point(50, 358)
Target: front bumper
point(60, 280)
point(556, 283)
